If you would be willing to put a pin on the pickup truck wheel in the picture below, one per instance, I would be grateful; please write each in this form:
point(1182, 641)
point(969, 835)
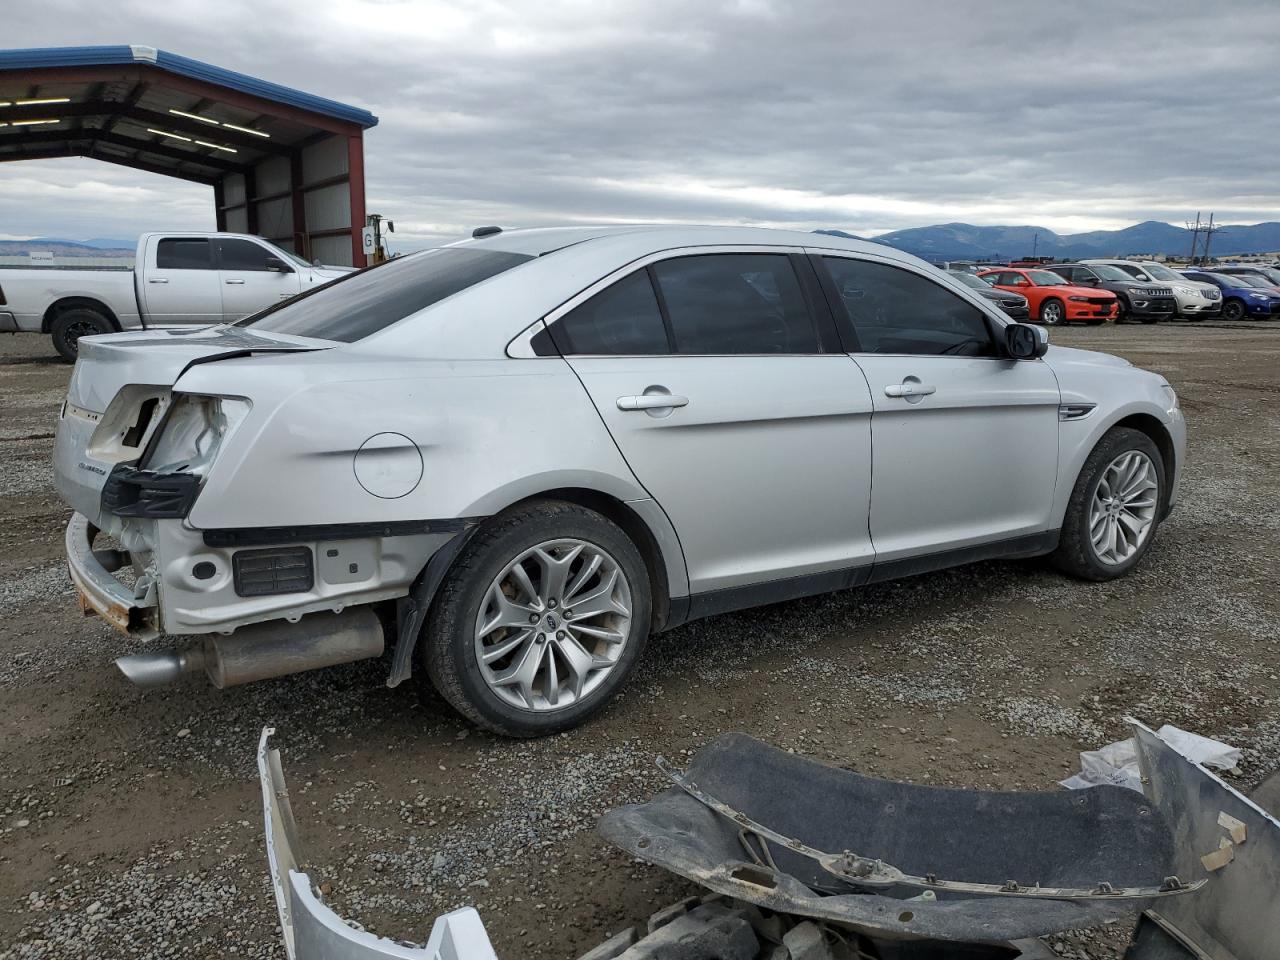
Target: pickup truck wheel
point(539, 621)
point(1114, 510)
point(70, 325)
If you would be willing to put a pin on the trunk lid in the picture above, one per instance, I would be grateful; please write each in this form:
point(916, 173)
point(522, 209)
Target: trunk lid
point(107, 363)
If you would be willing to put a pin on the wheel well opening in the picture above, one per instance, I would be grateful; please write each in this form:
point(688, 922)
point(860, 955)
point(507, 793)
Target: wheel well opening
point(635, 528)
point(1153, 428)
point(74, 303)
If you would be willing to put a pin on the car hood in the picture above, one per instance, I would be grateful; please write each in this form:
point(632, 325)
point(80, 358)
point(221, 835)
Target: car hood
point(1073, 356)
point(1071, 290)
point(159, 357)
point(330, 272)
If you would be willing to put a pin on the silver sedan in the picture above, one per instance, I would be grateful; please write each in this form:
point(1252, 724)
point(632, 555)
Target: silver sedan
point(507, 461)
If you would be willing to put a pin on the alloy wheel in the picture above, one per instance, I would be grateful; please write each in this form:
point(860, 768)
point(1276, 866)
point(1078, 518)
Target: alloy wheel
point(553, 625)
point(1123, 510)
point(1051, 313)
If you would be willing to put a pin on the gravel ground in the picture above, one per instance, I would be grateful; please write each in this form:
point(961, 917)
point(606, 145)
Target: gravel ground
point(130, 822)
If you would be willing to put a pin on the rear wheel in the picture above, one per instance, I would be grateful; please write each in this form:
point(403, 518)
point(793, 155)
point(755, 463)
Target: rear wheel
point(540, 620)
point(1114, 509)
point(1233, 310)
point(1052, 312)
point(70, 325)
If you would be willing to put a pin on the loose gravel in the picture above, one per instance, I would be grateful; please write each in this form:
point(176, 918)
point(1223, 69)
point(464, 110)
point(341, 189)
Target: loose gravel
point(130, 821)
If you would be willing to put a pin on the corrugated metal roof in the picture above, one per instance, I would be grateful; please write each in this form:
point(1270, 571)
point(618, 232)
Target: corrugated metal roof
point(183, 66)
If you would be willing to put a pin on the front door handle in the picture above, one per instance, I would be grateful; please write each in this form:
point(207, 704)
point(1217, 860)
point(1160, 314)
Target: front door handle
point(652, 401)
point(910, 389)
point(156, 280)
point(234, 281)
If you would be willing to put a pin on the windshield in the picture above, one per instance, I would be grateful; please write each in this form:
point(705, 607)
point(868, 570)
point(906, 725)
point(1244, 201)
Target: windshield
point(969, 280)
point(1107, 272)
point(1043, 278)
point(352, 307)
point(1157, 272)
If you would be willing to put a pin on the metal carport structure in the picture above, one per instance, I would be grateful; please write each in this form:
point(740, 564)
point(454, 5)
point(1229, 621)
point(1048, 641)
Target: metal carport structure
point(283, 164)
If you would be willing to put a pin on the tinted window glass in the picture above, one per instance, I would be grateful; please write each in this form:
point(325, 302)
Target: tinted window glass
point(364, 302)
point(735, 303)
point(182, 253)
point(243, 255)
point(896, 311)
point(621, 319)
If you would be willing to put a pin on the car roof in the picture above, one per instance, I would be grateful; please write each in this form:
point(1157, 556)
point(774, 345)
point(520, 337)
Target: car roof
point(537, 241)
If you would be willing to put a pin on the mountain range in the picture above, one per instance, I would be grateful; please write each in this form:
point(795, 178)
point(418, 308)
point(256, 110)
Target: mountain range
point(98, 247)
point(964, 241)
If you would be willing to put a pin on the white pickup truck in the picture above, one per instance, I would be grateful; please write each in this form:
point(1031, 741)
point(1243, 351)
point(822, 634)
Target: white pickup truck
point(178, 279)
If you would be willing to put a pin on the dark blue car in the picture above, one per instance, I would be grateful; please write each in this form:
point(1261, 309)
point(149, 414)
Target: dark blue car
point(1241, 299)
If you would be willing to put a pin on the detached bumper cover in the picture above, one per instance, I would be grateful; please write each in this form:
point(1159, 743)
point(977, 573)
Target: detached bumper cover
point(1047, 839)
point(100, 591)
point(311, 930)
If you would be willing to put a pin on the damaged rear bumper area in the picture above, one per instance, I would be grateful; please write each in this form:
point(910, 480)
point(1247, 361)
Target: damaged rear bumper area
point(101, 592)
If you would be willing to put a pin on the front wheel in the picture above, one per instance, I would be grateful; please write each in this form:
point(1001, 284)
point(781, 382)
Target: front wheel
point(1114, 509)
point(1233, 310)
point(540, 620)
point(1052, 312)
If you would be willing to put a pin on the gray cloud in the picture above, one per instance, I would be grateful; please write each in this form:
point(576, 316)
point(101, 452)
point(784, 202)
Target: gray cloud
point(864, 116)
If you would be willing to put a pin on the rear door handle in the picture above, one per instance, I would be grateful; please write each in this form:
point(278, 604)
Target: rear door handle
point(156, 280)
point(652, 401)
point(909, 389)
point(233, 281)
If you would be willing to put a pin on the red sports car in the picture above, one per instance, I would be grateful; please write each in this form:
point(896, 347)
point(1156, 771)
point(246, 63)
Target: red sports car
point(1051, 300)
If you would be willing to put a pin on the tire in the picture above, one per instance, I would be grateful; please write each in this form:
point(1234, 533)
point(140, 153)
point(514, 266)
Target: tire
point(1077, 554)
point(1052, 312)
point(454, 634)
point(70, 325)
point(1233, 310)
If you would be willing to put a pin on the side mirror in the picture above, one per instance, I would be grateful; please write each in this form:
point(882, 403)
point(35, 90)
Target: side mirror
point(1026, 342)
point(1089, 281)
point(276, 265)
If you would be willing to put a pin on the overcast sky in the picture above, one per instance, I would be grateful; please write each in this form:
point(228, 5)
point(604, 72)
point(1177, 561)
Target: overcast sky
point(867, 116)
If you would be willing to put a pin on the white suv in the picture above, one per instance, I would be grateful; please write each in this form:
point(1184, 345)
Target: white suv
point(1196, 300)
point(512, 458)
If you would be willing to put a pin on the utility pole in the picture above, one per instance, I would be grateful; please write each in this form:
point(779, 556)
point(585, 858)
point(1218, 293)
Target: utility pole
point(1035, 244)
point(1209, 231)
point(1195, 237)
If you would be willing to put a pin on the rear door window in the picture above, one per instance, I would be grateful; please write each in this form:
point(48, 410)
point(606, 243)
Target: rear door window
point(184, 253)
point(622, 320)
point(364, 302)
point(896, 311)
point(735, 303)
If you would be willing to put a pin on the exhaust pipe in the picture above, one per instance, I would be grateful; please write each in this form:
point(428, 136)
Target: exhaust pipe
point(265, 650)
point(161, 668)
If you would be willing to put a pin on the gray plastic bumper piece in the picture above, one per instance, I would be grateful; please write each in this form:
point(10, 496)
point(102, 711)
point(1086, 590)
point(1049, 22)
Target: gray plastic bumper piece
point(311, 930)
point(1237, 915)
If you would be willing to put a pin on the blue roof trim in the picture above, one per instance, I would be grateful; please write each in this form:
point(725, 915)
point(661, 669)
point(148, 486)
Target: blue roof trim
point(183, 66)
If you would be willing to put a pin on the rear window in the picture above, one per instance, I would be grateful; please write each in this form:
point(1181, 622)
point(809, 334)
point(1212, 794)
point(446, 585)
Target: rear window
point(184, 253)
point(362, 303)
